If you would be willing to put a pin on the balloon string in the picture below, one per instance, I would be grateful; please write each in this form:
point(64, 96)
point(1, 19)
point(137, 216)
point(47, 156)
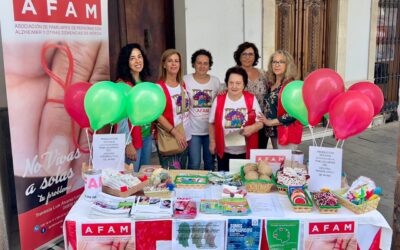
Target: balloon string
point(342, 144)
point(91, 150)
point(323, 136)
point(88, 140)
point(130, 134)
point(111, 129)
point(63, 84)
point(337, 143)
point(312, 135)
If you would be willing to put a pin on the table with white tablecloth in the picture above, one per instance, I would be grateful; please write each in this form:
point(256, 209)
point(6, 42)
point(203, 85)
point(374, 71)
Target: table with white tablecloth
point(80, 228)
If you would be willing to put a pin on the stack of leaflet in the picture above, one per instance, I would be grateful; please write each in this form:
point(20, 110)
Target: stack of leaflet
point(185, 208)
point(148, 208)
point(107, 206)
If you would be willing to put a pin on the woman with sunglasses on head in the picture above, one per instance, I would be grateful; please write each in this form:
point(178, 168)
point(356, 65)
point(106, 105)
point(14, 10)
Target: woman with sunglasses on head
point(247, 57)
point(132, 69)
point(284, 131)
point(177, 108)
point(202, 89)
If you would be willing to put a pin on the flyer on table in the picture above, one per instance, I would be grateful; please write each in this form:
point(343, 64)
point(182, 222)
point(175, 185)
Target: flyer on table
point(49, 46)
point(244, 234)
point(283, 234)
point(196, 234)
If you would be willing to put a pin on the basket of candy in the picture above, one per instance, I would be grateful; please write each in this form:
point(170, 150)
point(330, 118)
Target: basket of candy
point(325, 201)
point(291, 174)
point(257, 177)
point(160, 184)
point(361, 197)
point(300, 200)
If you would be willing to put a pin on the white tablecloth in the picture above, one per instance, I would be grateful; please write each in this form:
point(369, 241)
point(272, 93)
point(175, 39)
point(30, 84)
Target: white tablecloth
point(368, 223)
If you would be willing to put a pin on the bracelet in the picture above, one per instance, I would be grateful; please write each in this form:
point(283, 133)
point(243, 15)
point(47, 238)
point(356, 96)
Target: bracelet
point(171, 130)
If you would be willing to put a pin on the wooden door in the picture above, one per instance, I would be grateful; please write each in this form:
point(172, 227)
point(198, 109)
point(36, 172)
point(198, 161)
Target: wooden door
point(301, 30)
point(149, 23)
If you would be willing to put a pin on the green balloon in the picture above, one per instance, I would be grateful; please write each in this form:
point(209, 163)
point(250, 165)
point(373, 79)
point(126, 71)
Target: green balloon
point(145, 103)
point(104, 103)
point(292, 101)
point(326, 116)
point(125, 88)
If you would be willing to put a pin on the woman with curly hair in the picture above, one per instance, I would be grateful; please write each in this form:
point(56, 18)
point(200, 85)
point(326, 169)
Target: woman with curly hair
point(132, 69)
point(283, 130)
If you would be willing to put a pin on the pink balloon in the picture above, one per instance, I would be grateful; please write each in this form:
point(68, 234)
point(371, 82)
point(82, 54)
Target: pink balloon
point(74, 103)
point(320, 88)
point(373, 92)
point(350, 113)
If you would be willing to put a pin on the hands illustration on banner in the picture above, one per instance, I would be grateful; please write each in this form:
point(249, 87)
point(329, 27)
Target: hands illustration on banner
point(44, 137)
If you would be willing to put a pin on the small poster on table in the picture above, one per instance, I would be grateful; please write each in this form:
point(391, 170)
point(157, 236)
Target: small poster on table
point(330, 235)
point(244, 234)
point(198, 234)
point(275, 157)
point(283, 234)
point(325, 168)
point(109, 151)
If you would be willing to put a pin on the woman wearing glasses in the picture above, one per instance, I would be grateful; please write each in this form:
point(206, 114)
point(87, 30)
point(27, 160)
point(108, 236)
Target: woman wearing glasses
point(283, 130)
point(247, 56)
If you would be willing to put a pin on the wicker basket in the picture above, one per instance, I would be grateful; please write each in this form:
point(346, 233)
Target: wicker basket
point(174, 172)
point(256, 186)
point(281, 188)
point(365, 207)
point(128, 192)
point(191, 184)
point(302, 208)
point(325, 209)
point(159, 193)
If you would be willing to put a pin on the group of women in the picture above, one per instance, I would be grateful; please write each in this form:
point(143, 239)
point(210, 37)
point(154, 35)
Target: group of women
point(249, 107)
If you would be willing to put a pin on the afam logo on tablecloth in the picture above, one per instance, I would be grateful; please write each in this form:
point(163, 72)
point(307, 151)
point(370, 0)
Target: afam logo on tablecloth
point(106, 229)
point(331, 227)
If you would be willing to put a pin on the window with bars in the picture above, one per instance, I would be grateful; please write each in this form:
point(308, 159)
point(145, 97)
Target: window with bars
point(387, 64)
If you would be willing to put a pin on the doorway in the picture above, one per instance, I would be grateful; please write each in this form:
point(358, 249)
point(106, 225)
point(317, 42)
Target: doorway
point(301, 28)
point(148, 23)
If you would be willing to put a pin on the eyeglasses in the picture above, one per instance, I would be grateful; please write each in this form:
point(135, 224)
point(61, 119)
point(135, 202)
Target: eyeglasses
point(278, 62)
point(247, 54)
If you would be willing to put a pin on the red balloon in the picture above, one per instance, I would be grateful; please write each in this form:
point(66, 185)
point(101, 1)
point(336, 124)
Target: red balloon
point(320, 88)
point(350, 113)
point(373, 92)
point(74, 103)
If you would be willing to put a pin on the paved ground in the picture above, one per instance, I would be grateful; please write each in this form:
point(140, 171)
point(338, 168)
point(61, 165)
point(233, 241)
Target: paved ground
point(372, 153)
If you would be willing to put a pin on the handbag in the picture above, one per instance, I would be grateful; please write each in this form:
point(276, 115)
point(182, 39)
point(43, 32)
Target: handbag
point(167, 144)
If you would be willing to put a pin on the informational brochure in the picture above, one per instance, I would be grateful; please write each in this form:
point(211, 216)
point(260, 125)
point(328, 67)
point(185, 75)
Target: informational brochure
point(198, 234)
point(109, 151)
point(268, 206)
point(330, 235)
point(325, 168)
point(283, 234)
point(244, 234)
